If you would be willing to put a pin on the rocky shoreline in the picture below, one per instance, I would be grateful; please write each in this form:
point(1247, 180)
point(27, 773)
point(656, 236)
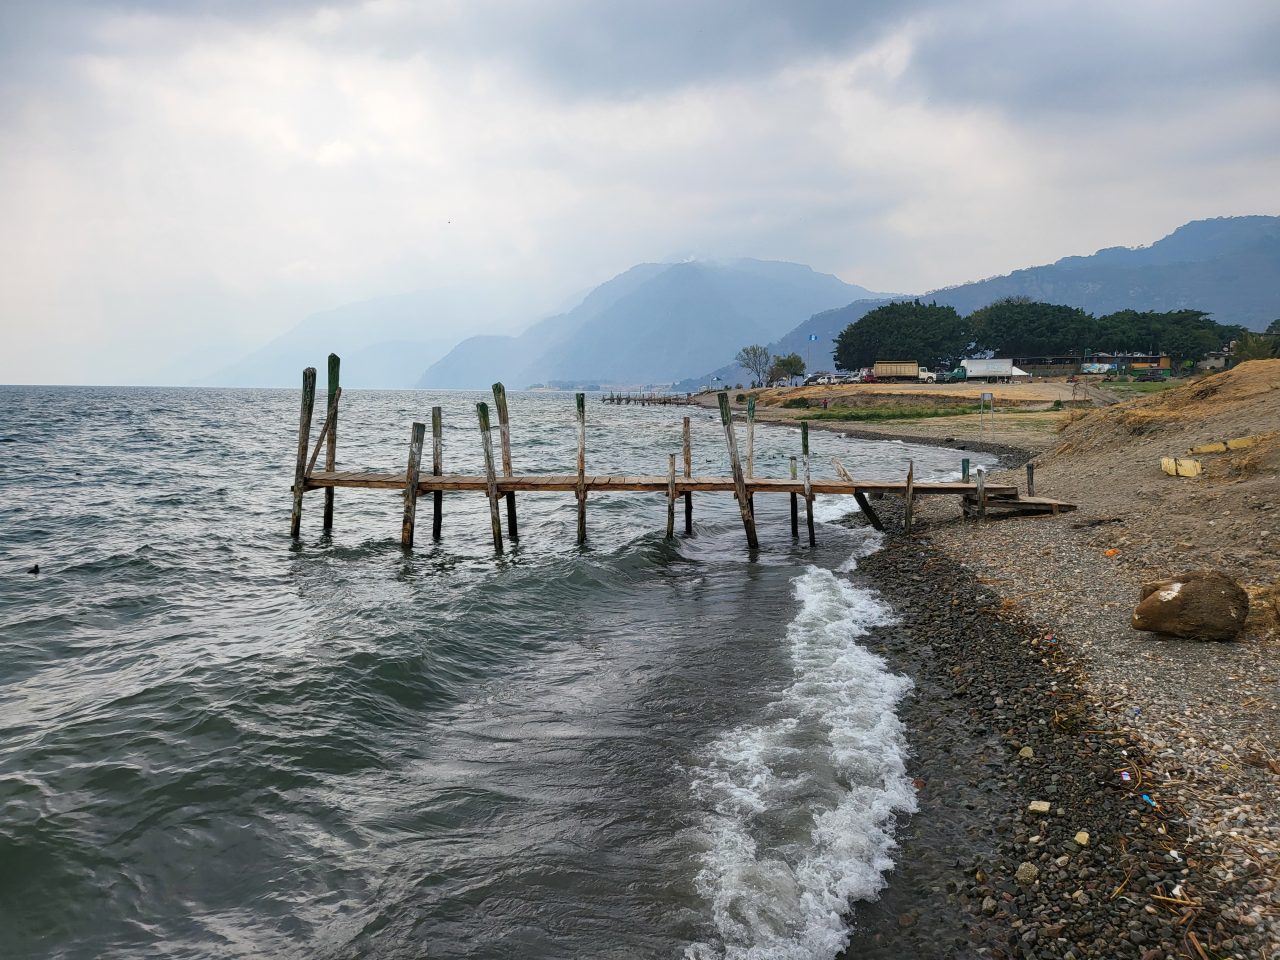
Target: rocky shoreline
point(1040, 833)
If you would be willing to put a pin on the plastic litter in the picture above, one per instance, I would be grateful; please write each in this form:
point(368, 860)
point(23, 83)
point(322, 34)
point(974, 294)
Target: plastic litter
point(1149, 800)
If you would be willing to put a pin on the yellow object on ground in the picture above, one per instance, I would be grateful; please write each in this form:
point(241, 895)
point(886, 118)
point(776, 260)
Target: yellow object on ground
point(1181, 466)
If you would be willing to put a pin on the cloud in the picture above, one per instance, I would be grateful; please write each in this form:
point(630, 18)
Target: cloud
point(209, 172)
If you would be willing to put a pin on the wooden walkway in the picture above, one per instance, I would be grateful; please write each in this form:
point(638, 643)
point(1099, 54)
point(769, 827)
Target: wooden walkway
point(500, 483)
point(616, 483)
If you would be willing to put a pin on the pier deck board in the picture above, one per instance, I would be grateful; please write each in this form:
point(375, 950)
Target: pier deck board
point(604, 483)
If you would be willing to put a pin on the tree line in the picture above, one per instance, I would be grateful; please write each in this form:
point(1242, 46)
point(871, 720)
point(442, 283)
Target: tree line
point(938, 336)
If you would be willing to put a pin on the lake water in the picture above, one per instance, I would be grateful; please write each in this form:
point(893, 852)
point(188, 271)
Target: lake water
point(217, 742)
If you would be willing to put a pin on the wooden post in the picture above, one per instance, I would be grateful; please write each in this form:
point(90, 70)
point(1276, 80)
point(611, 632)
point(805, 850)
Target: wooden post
point(739, 481)
point(491, 479)
point(982, 492)
point(863, 504)
point(795, 513)
point(688, 473)
point(751, 446)
point(437, 468)
point(1031, 479)
point(304, 436)
point(324, 432)
point(411, 484)
point(504, 435)
point(581, 401)
point(671, 496)
point(808, 482)
point(910, 495)
point(331, 451)
point(964, 469)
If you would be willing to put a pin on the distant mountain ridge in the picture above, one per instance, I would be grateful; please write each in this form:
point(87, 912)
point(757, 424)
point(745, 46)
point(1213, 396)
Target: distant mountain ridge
point(1227, 266)
point(651, 324)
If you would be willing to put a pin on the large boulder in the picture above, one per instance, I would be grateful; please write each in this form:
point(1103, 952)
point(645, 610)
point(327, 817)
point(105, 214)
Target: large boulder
point(1199, 605)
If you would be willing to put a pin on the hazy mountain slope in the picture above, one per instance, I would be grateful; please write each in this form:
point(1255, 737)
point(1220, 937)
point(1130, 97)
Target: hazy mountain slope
point(1229, 266)
point(654, 322)
point(383, 342)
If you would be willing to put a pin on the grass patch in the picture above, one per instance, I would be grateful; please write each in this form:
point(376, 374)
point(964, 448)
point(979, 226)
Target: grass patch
point(1149, 386)
point(874, 414)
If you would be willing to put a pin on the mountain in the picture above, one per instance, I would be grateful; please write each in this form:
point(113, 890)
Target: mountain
point(384, 342)
point(653, 323)
point(1228, 266)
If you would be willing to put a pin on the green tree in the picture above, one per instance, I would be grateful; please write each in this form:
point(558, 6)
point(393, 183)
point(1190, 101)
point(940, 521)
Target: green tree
point(1186, 335)
point(755, 359)
point(927, 333)
point(1273, 329)
point(1022, 327)
point(1255, 346)
point(790, 366)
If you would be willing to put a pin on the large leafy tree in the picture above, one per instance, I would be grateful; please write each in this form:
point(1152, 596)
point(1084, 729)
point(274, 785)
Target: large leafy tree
point(1273, 329)
point(790, 366)
point(910, 330)
point(1256, 346)
point(1022, 327)
point(1186, 335)
point(755, 359)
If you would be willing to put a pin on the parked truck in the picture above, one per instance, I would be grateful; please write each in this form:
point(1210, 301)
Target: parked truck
point(899, 370)
point(992, 371)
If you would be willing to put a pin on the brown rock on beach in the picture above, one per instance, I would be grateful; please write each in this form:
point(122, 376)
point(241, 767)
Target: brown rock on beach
point(1198, 605)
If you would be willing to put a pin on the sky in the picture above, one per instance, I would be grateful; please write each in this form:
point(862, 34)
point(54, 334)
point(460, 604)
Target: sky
point(183, 180)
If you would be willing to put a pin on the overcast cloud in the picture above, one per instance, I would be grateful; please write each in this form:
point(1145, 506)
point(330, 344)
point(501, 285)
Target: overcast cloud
point(183, 181)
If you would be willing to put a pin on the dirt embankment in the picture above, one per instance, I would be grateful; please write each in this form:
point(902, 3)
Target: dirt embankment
point(1203, 717)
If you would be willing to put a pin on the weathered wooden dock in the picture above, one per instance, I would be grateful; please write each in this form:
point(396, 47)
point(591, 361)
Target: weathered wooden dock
point(500, 483)
point(649, 399)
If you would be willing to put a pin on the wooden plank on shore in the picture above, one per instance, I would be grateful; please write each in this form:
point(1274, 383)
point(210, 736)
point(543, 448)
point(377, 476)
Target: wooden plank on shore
point(491, 479)
point(331, 449)
point(739, 481)
point(304, 435)
point(411, 484)
point(909, 496)
point(863, 503)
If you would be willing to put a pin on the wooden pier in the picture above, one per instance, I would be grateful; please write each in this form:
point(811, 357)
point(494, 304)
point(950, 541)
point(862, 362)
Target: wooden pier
point(501, 483)
point(649, 399)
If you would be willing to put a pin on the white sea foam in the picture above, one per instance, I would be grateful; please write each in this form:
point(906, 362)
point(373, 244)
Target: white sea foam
point(802, 805)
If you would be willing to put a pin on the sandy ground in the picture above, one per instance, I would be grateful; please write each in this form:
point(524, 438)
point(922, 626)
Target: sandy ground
point(1206, 716)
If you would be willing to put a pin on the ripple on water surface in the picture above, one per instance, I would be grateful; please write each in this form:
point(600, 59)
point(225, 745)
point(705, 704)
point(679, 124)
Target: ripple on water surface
point(213, 742)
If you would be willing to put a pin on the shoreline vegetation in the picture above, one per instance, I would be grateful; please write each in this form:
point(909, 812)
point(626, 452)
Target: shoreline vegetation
point(1032, 688)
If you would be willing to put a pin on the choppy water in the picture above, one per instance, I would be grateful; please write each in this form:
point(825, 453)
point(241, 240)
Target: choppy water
point(214, 742)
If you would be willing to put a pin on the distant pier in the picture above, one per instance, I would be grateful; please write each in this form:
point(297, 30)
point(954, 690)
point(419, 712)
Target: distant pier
point(500, 483)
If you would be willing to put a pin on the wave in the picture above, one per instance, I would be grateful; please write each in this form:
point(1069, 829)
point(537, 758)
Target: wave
point(802, 806)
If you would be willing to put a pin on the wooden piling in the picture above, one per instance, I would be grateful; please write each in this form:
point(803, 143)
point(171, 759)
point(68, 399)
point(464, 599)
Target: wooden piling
point(688, 472)
point(504, 435)
point(437, 468)
point(964, 468)
point(671, 496)
point(863, 503)
point(1031, 479)
point(751, 446)
point(909, 496)
point(581, 402)
point(808, 482)
point(491, 478)
point(411, 484)
point(331, 450)
point(739, 481)
point(982, 492)
point(304, 436)
point(795, 513)
point(324, 433)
